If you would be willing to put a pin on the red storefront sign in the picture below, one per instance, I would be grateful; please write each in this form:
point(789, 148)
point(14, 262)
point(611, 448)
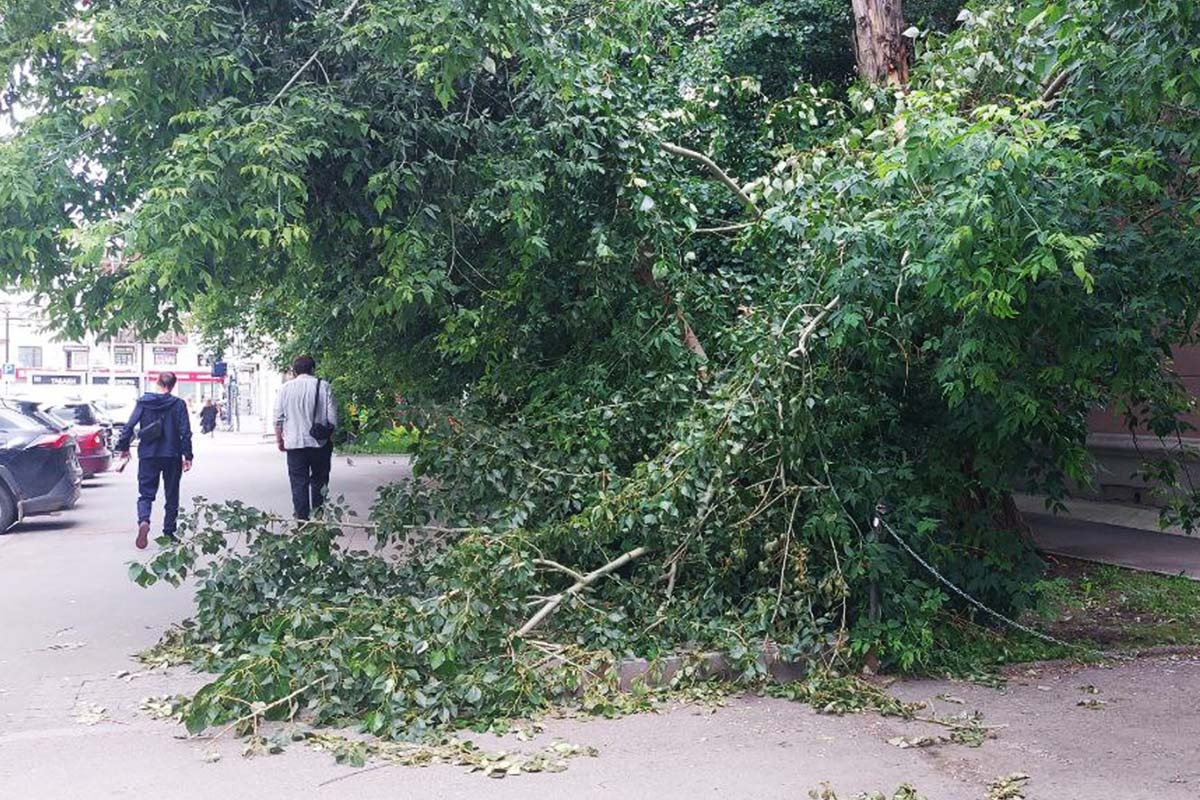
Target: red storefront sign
point(185, 377)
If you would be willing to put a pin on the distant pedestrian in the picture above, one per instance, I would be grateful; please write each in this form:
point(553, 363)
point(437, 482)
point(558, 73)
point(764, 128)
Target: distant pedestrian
point(164, 453)
point(305, 417)
point(208, 417)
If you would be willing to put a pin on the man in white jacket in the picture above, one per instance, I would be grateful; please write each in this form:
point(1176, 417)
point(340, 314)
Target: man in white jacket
point(306, 403)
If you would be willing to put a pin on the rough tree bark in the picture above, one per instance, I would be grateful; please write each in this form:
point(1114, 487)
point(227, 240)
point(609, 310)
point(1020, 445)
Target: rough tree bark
point(880, 46)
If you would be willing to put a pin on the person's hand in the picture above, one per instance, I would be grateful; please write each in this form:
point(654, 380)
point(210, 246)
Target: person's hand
point(279, 443)
point(124, 454)
point(187, 464)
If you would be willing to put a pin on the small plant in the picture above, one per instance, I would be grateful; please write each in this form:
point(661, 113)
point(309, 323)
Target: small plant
point(397, 439)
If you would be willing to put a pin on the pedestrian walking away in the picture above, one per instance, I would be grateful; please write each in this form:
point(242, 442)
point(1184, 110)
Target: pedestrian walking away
point(305, 418)
point(164, 433)
point(208, 418)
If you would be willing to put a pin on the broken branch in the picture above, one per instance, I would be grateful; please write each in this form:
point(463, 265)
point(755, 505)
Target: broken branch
point(801, 348)
point(581, 584)
point(731, 228)
point(545, 562)
point(717, 172)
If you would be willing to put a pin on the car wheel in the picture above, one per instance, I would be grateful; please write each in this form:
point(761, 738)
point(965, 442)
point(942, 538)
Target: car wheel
point(8, 510)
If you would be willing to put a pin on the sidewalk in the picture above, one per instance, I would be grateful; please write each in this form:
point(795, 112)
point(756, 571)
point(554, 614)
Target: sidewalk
point(1134, 542)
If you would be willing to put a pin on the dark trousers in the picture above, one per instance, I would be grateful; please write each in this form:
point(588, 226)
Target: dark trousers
point(308, 470)
point(150, 471)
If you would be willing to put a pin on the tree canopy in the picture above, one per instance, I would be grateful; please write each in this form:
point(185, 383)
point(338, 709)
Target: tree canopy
point(665, 274)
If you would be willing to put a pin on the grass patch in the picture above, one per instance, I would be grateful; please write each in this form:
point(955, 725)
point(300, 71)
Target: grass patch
point(1117, 608)
point(1092, 606)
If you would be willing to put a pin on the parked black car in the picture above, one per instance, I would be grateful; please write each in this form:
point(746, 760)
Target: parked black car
point(93, 441)
point(35, 410)
point(39, 468)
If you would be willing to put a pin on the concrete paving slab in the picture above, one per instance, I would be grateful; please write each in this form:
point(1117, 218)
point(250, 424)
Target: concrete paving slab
point(1126, 515)
point(1117, 545)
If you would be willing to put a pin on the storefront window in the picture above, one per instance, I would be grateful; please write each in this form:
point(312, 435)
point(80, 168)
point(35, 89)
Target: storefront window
point(124, 356)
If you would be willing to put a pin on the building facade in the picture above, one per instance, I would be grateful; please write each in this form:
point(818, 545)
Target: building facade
point(38, 364)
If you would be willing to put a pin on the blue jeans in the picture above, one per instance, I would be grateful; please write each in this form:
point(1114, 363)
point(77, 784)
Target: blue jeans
point(150, 470)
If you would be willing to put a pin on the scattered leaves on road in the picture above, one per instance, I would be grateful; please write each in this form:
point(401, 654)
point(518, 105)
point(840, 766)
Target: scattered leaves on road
point(162, 707)
point(1008, 787)
point(89, 714)
point(903, 792)
point(66, 646)
point(907, 742)
point(493, 764)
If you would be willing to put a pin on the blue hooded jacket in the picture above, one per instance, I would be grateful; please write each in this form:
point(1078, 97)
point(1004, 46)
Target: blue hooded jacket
point(176, 440)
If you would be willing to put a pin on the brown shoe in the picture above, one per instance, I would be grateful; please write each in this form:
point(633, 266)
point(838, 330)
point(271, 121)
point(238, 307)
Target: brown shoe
point(143, 537)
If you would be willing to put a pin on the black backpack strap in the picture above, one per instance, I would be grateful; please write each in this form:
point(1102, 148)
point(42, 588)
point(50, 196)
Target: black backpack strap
point(316, 400)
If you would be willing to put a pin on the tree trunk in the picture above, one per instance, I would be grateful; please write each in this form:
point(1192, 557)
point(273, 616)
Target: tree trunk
point(879, 43)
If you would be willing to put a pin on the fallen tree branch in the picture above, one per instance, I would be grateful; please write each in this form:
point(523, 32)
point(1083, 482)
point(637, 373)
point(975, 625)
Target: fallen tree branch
point(366, 526)
point(581, 584)
point(801, 348)
point(731, 228)
point(717, 172)
point(256, 713)
point(1056, 84)
point(545, 562)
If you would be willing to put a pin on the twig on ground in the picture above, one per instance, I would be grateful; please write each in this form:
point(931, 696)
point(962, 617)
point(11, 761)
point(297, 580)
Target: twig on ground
point(300, 523)
point(255, 713)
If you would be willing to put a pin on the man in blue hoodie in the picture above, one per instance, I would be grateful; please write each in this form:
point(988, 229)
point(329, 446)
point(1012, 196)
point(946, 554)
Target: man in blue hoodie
point(164, 453)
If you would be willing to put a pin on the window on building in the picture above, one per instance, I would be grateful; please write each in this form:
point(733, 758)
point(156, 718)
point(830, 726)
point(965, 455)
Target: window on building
point(124, 357)
point(77, 358)
point(165, 356)
point(203, 361)
point(29, 357)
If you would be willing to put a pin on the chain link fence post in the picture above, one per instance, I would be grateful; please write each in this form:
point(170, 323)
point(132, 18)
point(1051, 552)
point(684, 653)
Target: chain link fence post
point(876, 537)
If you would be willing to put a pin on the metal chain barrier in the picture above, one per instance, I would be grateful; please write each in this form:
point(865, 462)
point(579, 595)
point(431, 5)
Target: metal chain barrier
point(1045, 637)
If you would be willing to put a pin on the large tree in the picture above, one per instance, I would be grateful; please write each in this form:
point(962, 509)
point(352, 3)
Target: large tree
point(684, 299)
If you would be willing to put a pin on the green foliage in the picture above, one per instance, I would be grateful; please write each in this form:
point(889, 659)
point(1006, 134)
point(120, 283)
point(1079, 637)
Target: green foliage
point(473, 207)
point(396, 439)
point(298, 620)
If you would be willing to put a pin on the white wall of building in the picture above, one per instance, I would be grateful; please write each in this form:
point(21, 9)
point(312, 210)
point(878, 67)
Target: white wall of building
point(41, 365)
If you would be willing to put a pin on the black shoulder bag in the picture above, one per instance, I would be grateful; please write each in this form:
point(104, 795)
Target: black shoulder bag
point(152, 431)
point(321, 431)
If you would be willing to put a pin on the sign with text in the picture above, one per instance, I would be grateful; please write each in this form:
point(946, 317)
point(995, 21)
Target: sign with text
point(116, 380)
point(186, 377)
point(56, 380)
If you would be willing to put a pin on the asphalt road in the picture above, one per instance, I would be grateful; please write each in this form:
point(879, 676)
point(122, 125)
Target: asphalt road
point(71, 724)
